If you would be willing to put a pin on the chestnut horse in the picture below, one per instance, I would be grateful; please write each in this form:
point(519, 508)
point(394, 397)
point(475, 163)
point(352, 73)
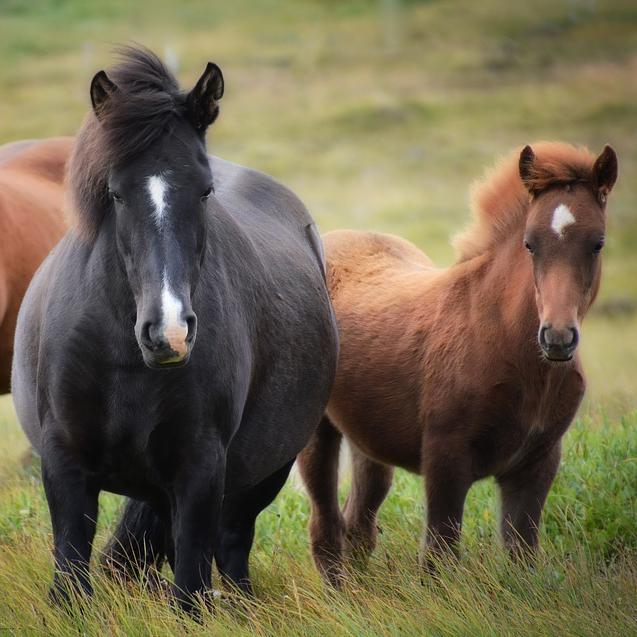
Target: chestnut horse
point(466, 372)
point(31, 222)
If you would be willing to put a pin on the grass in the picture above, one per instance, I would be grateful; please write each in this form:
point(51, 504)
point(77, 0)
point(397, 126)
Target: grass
point(583, 584)
point(378, 119)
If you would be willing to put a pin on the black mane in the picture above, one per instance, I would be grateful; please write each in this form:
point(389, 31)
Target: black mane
point(146, 102)
point(145, 106)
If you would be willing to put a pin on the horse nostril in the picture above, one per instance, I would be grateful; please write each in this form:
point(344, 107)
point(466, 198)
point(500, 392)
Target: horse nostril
point(543, 330)
point(191, 322)
point(145, 336)
point(574, 338)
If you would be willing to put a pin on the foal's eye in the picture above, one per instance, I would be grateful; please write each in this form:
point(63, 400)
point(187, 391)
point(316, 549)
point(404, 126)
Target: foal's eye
point(529, 247)
point(207, 193)
point(116, 196)
point(597, 248)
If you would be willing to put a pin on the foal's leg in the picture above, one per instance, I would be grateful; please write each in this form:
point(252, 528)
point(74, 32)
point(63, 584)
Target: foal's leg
point(523, 493)
point(139, 544)
point(236, 531)
point(371, 482)
point(318, 466)
point(73, 507)
point(447, 482)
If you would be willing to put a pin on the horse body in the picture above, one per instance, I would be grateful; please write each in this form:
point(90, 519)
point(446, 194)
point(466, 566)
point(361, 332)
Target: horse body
point(31, 222)
point(270, 324)
point(434, 365)
point(108, 382)
point(438, 358)
point(440, 371)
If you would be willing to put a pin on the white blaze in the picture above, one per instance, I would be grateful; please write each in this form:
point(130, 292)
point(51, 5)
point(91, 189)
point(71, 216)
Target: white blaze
point(175, 330)
point(157, 188)
point(562, 217)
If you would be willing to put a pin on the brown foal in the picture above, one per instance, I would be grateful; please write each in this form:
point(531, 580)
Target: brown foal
point(466, 372)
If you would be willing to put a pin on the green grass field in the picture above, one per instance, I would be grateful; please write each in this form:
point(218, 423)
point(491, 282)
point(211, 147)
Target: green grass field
point(379, 118)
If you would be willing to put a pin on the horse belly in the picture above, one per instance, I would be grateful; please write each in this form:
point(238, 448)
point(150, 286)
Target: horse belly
point(278, 424)
point(379, 429)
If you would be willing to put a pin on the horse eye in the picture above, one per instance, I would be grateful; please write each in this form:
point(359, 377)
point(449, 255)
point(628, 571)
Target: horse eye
point(598, 247)
point(207, 193)
point(116, 196)
point(529, 247)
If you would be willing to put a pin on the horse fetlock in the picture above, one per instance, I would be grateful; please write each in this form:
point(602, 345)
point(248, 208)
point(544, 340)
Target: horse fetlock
point(328, 547)
point(361, 540)
point(68, 585)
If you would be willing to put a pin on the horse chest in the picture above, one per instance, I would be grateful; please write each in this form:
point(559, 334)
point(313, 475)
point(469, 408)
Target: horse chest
point(128, 431)
point(535, 420)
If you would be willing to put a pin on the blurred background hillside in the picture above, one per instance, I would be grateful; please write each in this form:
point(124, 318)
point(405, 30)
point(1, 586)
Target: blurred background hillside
point(378, 113)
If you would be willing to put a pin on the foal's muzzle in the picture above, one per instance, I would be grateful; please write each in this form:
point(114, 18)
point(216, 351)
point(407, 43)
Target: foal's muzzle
point(558, 344)
point(168, 346)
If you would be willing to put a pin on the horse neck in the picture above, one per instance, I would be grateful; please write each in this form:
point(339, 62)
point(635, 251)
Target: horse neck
point(504, 288)
point(106, 266)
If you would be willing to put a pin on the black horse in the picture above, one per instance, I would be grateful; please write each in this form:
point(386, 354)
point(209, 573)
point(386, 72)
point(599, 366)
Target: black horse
point(171, 247)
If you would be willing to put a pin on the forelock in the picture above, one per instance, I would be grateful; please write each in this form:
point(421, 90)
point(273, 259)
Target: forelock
point(147, 105)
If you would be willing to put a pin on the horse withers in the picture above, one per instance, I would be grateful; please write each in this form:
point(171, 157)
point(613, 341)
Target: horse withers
point(31, 223)
point(178, 346)
point(466, 372)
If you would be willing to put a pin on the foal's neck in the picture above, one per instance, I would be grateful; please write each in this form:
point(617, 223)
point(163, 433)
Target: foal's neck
point(507, 279)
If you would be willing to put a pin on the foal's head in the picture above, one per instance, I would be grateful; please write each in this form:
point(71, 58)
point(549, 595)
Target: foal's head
point(141, 161)
point(564, 235)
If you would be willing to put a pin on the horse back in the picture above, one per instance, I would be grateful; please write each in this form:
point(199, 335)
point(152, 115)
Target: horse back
point(43, 158)
point(262, 207)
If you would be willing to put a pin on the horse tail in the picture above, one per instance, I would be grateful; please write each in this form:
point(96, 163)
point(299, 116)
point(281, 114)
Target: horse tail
point(140, 544)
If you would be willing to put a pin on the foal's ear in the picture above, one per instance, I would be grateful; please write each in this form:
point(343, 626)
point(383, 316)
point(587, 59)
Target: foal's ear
point(101, 90)
point(527, 173)
point(202, 101)
point(605, 173)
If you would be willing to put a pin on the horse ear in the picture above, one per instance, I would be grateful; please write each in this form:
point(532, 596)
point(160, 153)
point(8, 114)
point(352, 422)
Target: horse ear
point(605, 173)
point(202, 101)
point(101, 90)
point(527, 159)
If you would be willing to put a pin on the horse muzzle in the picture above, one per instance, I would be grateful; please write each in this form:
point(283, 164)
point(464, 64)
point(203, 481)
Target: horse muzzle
point(166, 346)
point(558, 344)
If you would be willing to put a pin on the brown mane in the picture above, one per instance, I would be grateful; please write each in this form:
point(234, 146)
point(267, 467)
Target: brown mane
point(499, 202)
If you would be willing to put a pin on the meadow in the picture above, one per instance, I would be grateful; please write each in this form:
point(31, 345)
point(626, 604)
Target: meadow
point(379, 114)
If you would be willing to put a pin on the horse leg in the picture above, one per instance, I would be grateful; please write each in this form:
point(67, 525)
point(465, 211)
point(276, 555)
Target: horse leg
point(139, 544)
point(73, 506)
point(196, 511)
point(236, 532)
point(447, 482)
point(371, 482)
point(318, 466)
point(523, 493)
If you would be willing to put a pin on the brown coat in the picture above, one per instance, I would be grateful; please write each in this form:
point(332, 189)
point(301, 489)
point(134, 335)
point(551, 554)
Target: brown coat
point(31, 223)
point(464, 372)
